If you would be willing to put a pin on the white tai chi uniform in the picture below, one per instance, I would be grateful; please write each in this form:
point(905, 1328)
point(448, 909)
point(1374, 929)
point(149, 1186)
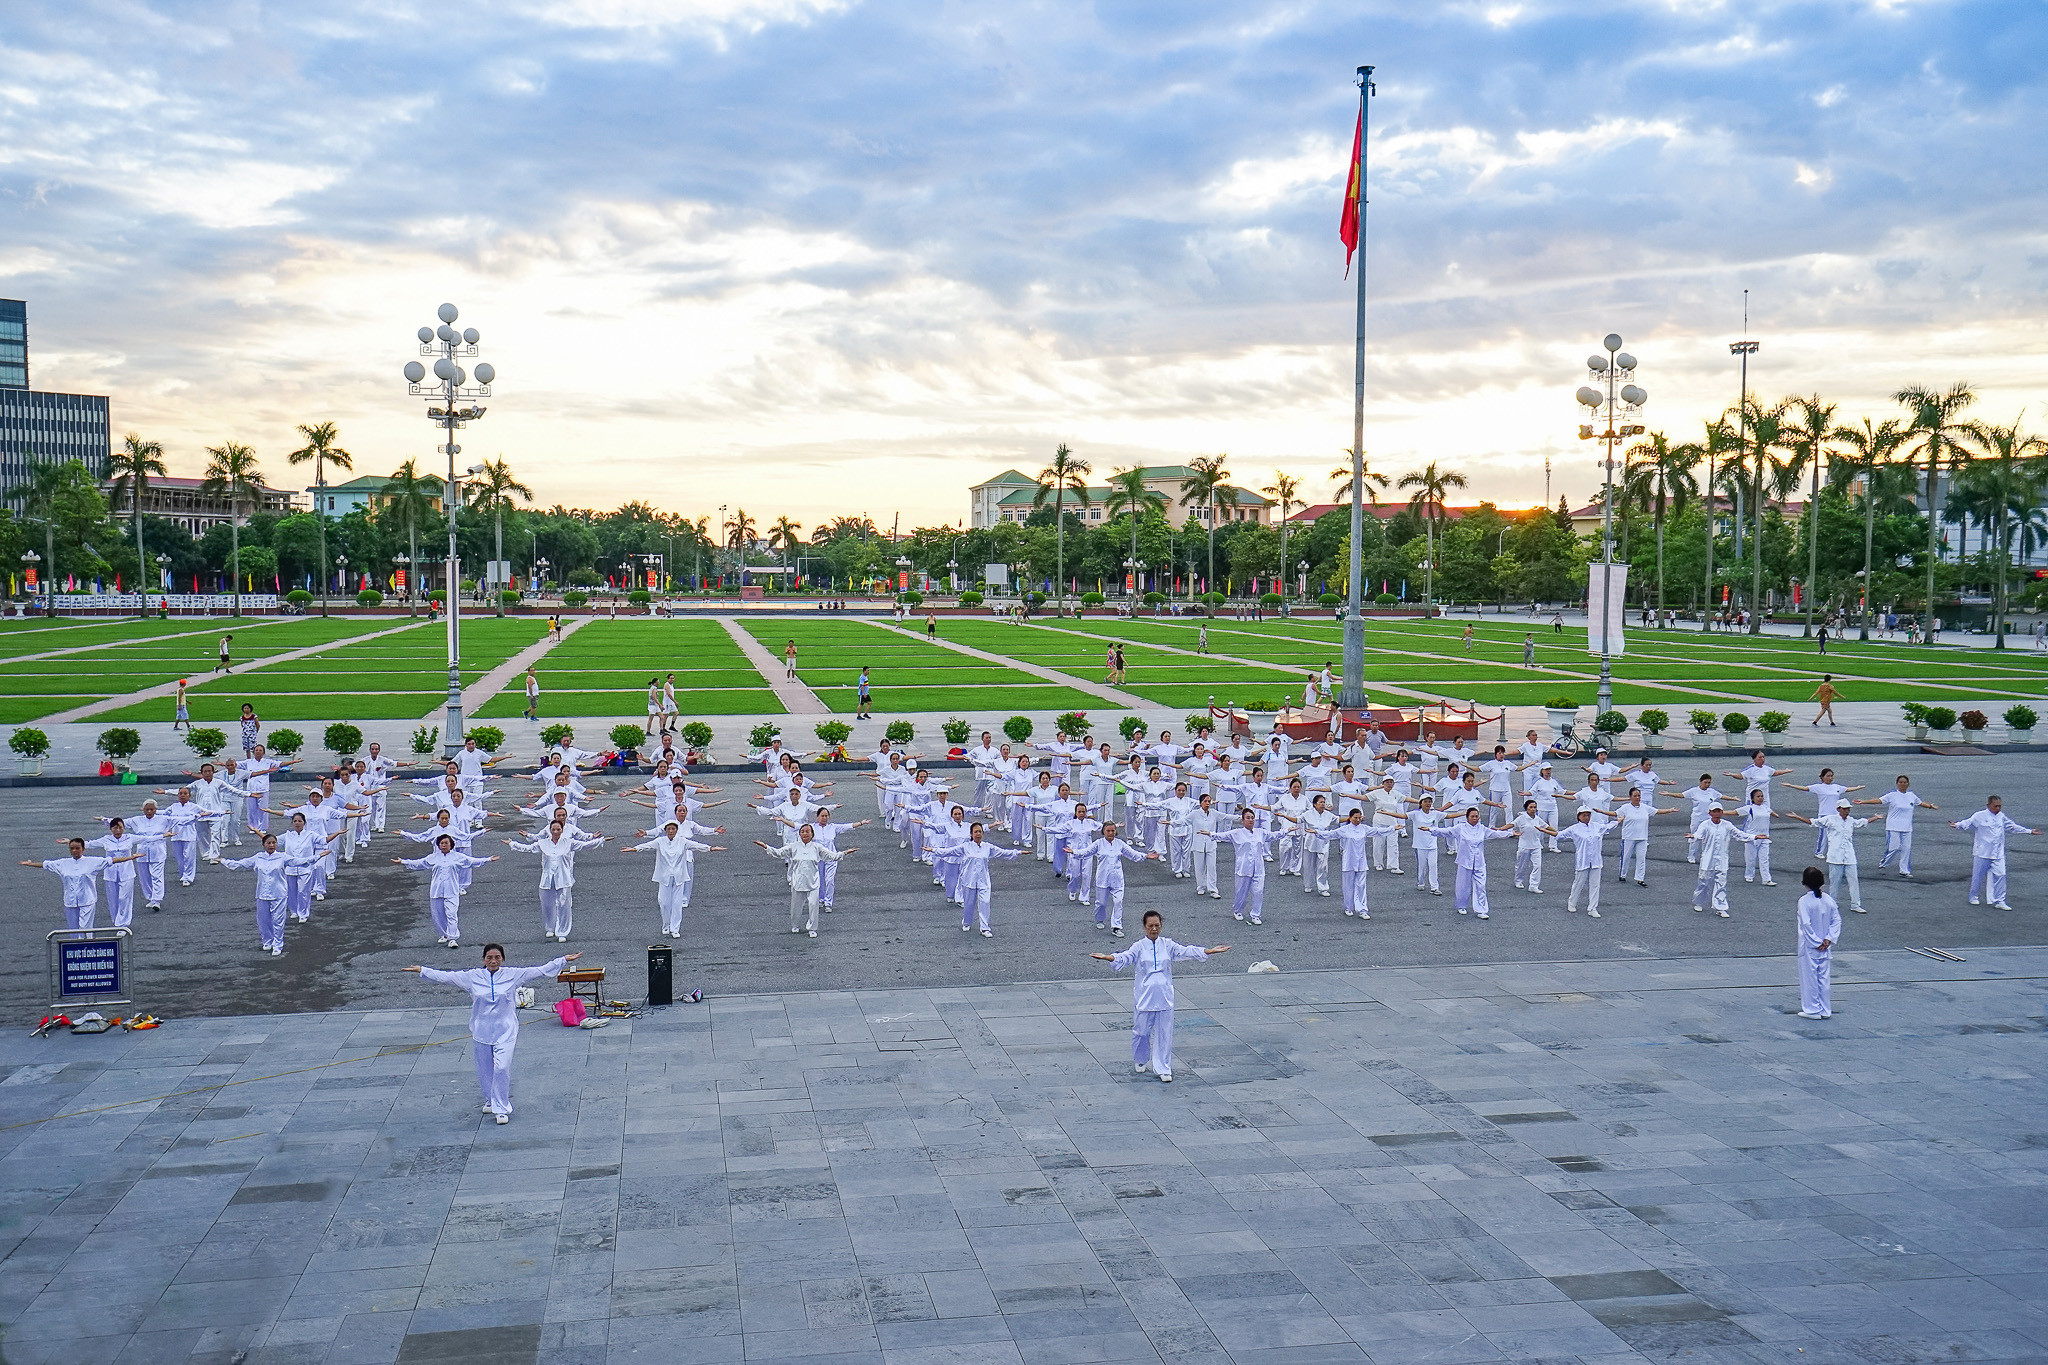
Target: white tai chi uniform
point(1587, 861)
point(1701, 798)
point(1470, 842)
point(1317, 827)
point(183, 817)
point(1756, 854)
point(1898, 828)
point(444, 887)
point(1500, 788)
point(1634, 821)
point(1529, 838)
point(120, 878)
point(1820, 921)
point(1248, 862)
point(1710, 841)
point(271, 894)
point(213, 798)
point(1351, 865)
point(1839, 844)
point(494, 1022)
point(973, 860)
point(302, 848)
point(804, 861)
point(1546, 790)
point(152, 833)
point(1109, 856)
point(1152, 960)
point(377, 772)
point(256, 782)
point(1987, 853)
point(1388, 815)
point(673, 869)
point(557, 878)
point(1204, 827)
point(81, 888)
point(1423, 827)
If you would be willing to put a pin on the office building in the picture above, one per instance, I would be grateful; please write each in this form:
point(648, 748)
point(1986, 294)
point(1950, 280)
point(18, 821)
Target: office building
point(35, 425)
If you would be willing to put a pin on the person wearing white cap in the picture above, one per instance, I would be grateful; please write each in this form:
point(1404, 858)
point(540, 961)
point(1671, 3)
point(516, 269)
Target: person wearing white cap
point(1820, 928)
point(1838, 836)
point(1546, 789)
point(1710, 840)
point(1988, 828)
point(1586, 835)
point(1703, 797)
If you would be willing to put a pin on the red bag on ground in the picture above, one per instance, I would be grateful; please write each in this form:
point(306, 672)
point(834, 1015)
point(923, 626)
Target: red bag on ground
point(572, 1012)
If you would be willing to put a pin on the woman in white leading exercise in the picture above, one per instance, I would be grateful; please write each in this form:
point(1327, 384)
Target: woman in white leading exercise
point(81, 886)
point(494, 1018)
point(557, 849)
point(1152, 958)
point(674, 870)
point(444, 887)
point(804, 857)
point(272, 891)
point(973, 858)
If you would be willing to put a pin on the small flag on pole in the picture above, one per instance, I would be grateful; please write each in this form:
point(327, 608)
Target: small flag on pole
point(1347, 226)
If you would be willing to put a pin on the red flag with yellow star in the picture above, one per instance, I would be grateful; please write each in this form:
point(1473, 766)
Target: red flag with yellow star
point(1347, 226)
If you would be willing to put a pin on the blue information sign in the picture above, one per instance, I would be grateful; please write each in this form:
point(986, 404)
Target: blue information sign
point(88, 965)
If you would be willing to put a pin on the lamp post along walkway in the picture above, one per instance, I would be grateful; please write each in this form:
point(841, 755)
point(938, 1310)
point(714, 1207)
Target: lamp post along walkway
point(456, 396)
point(1623, 400)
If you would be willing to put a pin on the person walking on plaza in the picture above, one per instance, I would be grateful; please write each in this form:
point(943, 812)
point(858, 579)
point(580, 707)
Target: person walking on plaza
point(1820, 929)
point(863, 695)
point(1152, 958)
point(654, 706)
point(671, 713)
point(494, 1018)
point(1988, 828)
point(226, 661)
point(788, 660)
point(532, 696)
point(1898, 822)
point(81, 887)
point(183, 718)
point(1826, 694)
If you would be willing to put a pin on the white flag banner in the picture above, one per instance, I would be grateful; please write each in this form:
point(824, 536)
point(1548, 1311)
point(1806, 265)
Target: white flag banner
point(1606, 609)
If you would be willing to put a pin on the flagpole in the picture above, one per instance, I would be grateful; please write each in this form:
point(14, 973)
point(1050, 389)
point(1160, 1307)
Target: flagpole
point(1353, 693)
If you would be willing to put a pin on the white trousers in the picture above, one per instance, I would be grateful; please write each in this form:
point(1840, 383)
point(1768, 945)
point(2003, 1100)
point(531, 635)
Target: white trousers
point(1152, 1039)
point(973, 905)
point(1109, 904)
point(83, 916)
point(212, 827)
point(673, 898)
point(1635, 853)
point(1529, 868)
point(298, 895)
point(1204, 865)
point(1386, 849)
point(1315, 870)
point(1815, 977)
point(1756, 860)
point(494, 1073)
point(1425, 869)
point(270, 922)
point(1898, 844)
point(186, 851)
point(121, 901)
point(446, 912)
point(1987, 874)
point(557, 910)
point(1352, 882)
point(1250, 898)
point(1585, 887)
point(1178, 848)
point(803, 909)
point(1711, 889)
point(1839, 873)
point(1472, 890)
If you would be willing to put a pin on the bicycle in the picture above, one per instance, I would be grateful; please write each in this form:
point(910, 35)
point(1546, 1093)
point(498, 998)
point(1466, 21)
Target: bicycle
point(1567, 745)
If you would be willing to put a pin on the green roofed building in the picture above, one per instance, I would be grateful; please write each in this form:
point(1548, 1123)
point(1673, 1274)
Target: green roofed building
point(1011, 496)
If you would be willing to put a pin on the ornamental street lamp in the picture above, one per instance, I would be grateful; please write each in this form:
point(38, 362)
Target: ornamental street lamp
point(30, 559)
point(452, 405)
point(341, 565)
point(1622, 399)
point(163, 572)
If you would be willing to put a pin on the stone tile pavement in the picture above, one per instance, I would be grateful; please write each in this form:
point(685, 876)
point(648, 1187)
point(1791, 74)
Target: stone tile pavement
point(1605, 1162)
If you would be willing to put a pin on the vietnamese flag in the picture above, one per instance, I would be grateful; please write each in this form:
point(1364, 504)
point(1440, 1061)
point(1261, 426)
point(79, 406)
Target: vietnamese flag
point(1347, 226)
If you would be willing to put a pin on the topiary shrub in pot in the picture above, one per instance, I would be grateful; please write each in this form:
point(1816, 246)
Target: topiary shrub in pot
point(119, 744)
point(1737, 725)
point(899, 732)
point(1563, 711)
point(1774, 725)
point(627, 739)
point(1654, 723)
point(1269, 600)
point(1386, 599)
point(1018, 729)
point(29, 745)
point(1070, 725)
point(1608, 725)
point(697, 736)
point(834, 734)
point(2019, 724)
point(426, 739)
point(508, 598)
point(913, 598)
point(763, 735)
point(489, 738)
point(1941, 724)
point(342, 739)
point(639, 597)
point(1155, 599)
point(299, 597)
point(955, 730)
point(1974, 724)
point(558, 733)
point(1916, 718)
point(1198, 721)
point(285, 743)
point(1704, 723)
point(1130, 727)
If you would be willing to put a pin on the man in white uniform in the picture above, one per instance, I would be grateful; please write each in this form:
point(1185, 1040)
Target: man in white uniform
point(1988, 828)
point(1710, 839)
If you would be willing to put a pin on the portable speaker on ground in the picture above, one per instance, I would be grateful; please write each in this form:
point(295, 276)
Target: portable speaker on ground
point(661, 974)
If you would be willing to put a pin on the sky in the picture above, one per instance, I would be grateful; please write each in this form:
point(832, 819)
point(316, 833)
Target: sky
point(823, 257)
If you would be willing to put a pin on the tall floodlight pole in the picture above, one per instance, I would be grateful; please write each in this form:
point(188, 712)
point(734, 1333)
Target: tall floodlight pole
point(1622, 400)
point(451, 388)
point(1353, 693)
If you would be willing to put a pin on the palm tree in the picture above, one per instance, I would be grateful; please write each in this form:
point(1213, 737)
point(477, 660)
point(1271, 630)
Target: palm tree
point(2007, 485)
point(412, 493)
point(1937, 425)
point(1068, 473)
point(699, 533)
point(1342, 474)
point(131, 467)
point(1128, 493)
point(1208, 485)
point(321, 449)
point(493, 492)
point(739, 531)
point(1282, 490)
point(784, 534)
point(1767, 430)
point(1658, 475)
point(1808, 438)
point(1869, 452)
point(231, 473)
point(1432, 486)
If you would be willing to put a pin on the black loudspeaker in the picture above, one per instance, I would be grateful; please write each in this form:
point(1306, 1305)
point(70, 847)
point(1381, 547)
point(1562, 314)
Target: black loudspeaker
point(661, 974)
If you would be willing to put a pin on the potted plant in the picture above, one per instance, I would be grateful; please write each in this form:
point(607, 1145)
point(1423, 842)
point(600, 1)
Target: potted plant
point(427, 738)
point(898, 732)
point(627, 739)
point(1261, 708)
point(1386, 599)
point(119, 744)
point(1069, 725)
point(2019, 724)
point(557, 733)
point(29, 745)
point(1197, 721)
point(508, 598)
point(1608, 726)
point(1974, 724)
point(834, 734)
point(697, 736)
point(1563, 712)
point(763, 735)
point(285, 743)
point(956, 730)
point(342, 739)
point(1017, 729)
point(1774, 725)
point(1737, 725)
point(1704, 723)
point(1654, 723)
point(1916, 719)
point(205, 742)
point(489, 738)
point(1130, 727)
point(1941, 724)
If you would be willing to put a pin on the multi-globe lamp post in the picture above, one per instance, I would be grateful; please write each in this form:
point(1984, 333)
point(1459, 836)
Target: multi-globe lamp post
point(456, 397)
point(1613, 388)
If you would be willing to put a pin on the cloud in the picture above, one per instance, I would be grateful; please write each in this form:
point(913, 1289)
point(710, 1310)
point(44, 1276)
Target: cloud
point(889, 248)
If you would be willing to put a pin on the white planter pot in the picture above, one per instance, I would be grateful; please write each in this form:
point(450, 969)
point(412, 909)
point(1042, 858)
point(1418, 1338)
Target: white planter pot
point(2013, 736)
point(1653, 740)
point(1774, 741)
point(1919, 734)
point(1973, 736)
point(1561, 720)
point(1941, 736)
point(30, 767)
point(1702, 741)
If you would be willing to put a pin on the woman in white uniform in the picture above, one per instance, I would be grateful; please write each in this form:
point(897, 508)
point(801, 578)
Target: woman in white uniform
point(1152, 958)
point(557, 849)
point(673, 871)
point(494, 1018)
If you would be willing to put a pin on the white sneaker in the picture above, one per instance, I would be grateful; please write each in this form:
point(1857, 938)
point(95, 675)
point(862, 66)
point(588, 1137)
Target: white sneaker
point(1998, 904)
point(963, 928)
point(1140, 1067)
point(1166, 1076)
point(1257, 920)
point(504, 1118)
point(1592, 914)
point(988, 933)
point(1975, 901)
point(1722, 913)
point(814, 933)
point(1484, 915)
point(549, 936)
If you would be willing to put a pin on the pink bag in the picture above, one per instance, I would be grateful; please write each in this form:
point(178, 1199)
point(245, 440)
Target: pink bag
point(572, 1012)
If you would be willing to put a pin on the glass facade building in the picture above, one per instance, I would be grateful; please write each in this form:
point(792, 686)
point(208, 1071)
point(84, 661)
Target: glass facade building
point(37, 426)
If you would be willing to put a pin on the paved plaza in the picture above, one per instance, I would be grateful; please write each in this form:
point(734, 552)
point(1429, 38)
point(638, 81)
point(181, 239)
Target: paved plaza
point(1596, 1162)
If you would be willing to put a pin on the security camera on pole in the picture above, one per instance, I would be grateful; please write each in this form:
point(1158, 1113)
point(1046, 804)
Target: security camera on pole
point(1623, 399)
point(456, 396)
